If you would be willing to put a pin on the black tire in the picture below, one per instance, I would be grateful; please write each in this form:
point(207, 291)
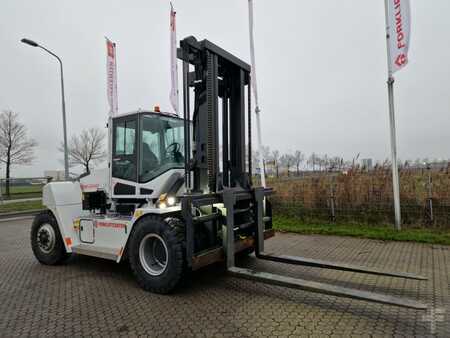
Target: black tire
point(50, 251)
point(178, 225)
point(168, 237)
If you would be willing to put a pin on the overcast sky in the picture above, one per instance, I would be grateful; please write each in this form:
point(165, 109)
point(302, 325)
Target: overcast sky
point(321, 69)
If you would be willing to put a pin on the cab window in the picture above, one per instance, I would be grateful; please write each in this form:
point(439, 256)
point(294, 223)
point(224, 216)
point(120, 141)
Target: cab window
point(124, 149)
point(162, 146)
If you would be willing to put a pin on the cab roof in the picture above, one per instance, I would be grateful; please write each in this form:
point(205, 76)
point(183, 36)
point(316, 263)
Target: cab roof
point(140, 111)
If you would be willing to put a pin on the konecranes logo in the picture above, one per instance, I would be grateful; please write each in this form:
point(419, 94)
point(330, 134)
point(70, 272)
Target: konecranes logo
point(401, 60)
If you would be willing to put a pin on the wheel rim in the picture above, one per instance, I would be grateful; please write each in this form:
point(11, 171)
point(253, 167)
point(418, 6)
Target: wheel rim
point(153, 254)
point(46, 238)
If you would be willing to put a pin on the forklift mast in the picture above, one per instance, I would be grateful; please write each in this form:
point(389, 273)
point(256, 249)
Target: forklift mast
point(217, 76)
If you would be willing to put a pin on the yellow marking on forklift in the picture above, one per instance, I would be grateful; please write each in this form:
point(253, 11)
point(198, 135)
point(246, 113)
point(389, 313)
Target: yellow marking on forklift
point(138, 213)
point(76, 224)
point(120, 252)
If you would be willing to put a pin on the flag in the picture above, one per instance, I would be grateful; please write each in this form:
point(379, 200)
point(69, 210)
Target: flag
point(252, 54)
point(255, 93)
point(398, 31)
point(173, 96)
point(111, 73)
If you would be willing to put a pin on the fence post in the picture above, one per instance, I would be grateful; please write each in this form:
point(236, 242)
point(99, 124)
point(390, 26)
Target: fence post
point(430, 196)
point(332, 201)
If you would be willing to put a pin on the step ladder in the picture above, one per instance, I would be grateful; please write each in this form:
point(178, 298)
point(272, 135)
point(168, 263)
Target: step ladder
point(96, 251)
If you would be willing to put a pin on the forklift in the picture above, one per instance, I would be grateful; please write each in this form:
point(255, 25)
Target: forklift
point(178, 193)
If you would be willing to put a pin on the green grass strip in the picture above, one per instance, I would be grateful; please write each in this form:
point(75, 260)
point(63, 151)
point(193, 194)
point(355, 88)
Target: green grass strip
point(21, 206)
point(384, 233)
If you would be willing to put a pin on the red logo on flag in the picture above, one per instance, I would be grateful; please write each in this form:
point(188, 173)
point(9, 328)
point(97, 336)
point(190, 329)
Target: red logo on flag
point(173, 20)
point(110, 49)
point(401, 60)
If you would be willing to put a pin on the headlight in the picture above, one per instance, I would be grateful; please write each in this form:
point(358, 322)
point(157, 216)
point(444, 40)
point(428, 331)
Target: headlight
point(171, 200)
point(165, 201)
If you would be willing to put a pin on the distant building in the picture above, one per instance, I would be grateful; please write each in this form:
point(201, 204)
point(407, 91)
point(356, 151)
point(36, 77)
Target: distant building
point(56, 175)
point(367, 164)
point(438, 165)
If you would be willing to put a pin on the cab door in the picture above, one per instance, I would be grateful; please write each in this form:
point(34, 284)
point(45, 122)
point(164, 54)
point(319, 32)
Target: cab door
point(124, 154)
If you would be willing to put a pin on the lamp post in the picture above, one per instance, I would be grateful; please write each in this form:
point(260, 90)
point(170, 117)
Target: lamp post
point(66, 155)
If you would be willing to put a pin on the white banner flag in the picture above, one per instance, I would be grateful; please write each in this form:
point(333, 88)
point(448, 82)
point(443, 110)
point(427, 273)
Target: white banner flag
point(398, 30)
point(111, 73)
point(255, 93)
point(173, 61)
point(252, 53)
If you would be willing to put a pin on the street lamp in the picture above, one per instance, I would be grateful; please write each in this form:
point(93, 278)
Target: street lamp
point(66, 155)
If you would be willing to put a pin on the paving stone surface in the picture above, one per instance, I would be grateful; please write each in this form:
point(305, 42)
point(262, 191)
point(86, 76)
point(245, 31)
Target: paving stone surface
point(94, 297)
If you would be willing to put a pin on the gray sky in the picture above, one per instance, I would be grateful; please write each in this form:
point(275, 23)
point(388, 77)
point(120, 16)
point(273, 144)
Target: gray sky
point(321, 69)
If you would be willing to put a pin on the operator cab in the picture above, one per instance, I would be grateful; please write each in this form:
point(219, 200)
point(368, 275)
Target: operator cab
point(146, 147)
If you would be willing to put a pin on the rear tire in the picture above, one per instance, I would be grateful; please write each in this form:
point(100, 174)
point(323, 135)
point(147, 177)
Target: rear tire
point(156, 254)
point(46, 240)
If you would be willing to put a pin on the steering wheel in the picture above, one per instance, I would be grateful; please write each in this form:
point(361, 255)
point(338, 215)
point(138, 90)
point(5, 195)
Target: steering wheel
point(172, 149)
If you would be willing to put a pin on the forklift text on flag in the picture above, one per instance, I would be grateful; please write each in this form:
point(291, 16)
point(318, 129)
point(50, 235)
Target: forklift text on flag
point(174, 101)
point(398, 15)
point(111, 73)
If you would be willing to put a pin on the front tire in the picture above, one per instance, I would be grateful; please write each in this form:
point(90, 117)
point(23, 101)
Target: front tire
point(156, 254)
point(46, 240)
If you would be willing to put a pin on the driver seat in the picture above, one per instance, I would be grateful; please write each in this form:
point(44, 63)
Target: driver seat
point(149, 159)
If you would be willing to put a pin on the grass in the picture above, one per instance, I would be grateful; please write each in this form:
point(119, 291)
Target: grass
point(21, 189)
point(291, 224)
point(26, 191)
point(21, 206)
point(384, 233)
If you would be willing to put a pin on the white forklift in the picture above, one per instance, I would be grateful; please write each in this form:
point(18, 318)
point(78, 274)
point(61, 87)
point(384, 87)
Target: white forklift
point(168, 203)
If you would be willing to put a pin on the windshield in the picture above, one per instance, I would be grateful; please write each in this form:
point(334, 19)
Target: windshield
point(162, 140)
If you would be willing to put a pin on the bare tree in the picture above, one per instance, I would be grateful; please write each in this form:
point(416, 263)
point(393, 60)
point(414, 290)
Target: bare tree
point(287, 160)
point(336, 163)
point(15, 147)
point(298, 159)
point(276, 158)
point(325, 162)
point(313, 160)
point(255, 161)
point(266, 156)
point(355, 159)
point(86, 149)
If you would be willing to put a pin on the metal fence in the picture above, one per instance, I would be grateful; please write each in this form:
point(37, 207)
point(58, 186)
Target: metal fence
point(335, 197)
point(22, 188)
point(365, 197)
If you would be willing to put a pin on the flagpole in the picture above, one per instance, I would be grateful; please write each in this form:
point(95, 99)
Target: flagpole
point(255, 93)
point(113, 107)
point(390, 85)
point(174, 93)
